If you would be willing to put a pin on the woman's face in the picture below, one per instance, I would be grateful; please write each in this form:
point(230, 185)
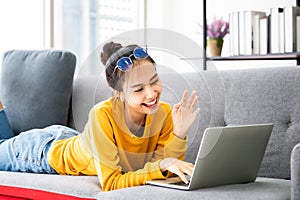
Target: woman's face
point(142, 88)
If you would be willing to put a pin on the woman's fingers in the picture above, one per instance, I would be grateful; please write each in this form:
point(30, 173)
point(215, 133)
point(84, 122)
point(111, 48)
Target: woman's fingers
point(191, 99)
point(194, 103)
point(189, 168)
point(197, 111)
point(191, 103)
point(179, 167)
point(177, 106)
point(183, 177)
point(184, 97)
point(185, 168)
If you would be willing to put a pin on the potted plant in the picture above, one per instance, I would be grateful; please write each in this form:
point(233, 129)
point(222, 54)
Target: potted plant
point(216, 31)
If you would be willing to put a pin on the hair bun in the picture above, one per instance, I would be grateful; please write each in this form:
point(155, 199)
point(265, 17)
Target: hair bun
point(108, 49)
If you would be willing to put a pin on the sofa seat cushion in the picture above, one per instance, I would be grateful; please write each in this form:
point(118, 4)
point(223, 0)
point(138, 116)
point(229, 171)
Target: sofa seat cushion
point(262, 189)
point(36, 87)
point(88, 187)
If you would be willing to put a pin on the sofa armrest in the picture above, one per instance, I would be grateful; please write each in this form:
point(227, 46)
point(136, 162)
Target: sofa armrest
point(295, 173)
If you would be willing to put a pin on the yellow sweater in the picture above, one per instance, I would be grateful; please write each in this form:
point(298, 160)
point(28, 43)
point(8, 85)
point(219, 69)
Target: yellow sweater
point(108, 149)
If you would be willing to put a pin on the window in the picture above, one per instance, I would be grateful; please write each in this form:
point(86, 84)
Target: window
point(80, 26)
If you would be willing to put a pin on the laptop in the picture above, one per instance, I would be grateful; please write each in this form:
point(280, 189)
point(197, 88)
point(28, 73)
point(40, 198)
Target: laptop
point(227, 155)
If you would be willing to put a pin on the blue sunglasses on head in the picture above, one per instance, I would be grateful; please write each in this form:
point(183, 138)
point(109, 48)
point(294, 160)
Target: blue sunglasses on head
point(125, 63)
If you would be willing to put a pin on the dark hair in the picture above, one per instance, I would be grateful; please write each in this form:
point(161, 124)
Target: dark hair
point(110, 54)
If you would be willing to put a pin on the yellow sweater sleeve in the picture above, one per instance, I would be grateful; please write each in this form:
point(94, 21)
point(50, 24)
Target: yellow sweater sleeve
point(111, 179)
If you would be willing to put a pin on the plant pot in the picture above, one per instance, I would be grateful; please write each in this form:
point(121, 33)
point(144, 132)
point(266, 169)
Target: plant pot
point(214, 47)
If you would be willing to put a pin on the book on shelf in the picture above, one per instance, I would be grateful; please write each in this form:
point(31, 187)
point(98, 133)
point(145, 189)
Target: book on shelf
point(290, 14)
point(298, 33)
point(263, 36)
point(255, 32)
point(277, 30)
point(241, 27)
point(244, 32)
point(231, 34)
point(250, 31)
point(234, 33)
point(257, 16)
point(246, 25)
point(281, 32)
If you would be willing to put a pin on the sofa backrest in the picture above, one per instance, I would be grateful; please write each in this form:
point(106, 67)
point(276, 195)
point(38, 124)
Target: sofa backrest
point(267, 95)
point(233, 97)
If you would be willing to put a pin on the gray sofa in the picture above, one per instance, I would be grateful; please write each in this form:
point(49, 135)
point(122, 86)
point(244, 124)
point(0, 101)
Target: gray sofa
point(232, 97)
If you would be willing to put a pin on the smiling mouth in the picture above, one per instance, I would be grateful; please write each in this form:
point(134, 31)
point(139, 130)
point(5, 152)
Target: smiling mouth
point(150, 104)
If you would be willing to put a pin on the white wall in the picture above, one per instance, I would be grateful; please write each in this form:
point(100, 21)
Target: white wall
point(21, 25)
point(184, 16)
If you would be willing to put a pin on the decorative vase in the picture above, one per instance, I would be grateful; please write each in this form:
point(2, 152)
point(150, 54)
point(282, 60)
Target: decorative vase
point(214, 47)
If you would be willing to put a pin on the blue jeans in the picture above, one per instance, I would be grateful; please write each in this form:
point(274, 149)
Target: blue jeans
point(27, 152)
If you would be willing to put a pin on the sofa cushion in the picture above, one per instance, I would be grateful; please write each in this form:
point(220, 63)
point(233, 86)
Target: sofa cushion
point(36, 87)
point(88, 187)
point(261, 189)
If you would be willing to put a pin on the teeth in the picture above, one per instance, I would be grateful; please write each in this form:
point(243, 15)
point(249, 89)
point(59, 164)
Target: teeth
point(151, 103)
